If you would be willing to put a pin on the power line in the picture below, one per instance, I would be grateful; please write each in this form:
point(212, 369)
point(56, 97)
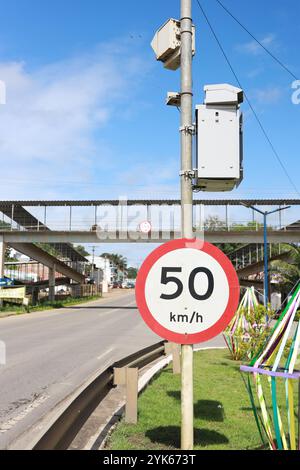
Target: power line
point(256, 40)
point(248, 100)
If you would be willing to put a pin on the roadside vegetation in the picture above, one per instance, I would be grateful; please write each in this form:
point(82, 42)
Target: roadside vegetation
point(249, 340)
point(288, 272)
point(223, 416)
point(46, 305)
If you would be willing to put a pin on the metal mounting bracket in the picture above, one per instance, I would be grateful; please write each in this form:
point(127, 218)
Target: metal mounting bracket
point(188, 129)
point(188, 174)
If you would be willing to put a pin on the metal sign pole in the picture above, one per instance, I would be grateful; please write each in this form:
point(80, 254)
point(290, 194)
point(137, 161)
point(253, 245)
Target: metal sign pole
point(187, 412)
point(266, 274)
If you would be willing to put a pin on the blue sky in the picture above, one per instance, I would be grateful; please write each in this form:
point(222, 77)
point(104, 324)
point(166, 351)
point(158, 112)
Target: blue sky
point(85, 114)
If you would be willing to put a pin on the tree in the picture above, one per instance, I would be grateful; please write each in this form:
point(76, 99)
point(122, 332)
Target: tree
point(214, 223)
point(8, 256)
point(288, 272)
point(49, 249)
point(81, 250)
point(118, 260)
point(252, 225)
point(132, 272)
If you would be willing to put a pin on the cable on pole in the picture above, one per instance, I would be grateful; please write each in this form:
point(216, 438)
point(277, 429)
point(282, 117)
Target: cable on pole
point(257, 41)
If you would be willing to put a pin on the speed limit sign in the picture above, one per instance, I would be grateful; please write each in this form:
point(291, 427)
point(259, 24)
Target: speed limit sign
point(187, 291)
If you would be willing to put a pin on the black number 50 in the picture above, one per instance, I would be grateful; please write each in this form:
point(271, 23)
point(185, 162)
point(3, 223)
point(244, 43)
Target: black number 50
point(165, 279)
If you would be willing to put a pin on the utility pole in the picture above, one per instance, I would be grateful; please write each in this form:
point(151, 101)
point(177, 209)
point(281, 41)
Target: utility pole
point(173, 45)
point(266, 260)
point(186, 129)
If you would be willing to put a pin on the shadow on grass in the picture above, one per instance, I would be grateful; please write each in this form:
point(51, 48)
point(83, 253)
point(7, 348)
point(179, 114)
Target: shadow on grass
point(208, 410)
point(232, 364)
point(174, 394)
point(170, 436)
point(227, 361)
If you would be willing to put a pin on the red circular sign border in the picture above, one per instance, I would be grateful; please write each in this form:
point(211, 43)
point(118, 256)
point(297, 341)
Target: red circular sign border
point(231, 307)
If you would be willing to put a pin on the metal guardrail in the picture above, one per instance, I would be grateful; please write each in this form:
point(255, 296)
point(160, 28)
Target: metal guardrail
point(111, 226)
point(63, 431)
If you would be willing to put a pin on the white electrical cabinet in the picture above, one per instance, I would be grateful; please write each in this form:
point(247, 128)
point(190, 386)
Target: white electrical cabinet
point(219, 127)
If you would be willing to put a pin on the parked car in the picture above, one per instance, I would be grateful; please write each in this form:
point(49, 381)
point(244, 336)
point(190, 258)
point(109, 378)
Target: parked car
point(62, 291)
point(130, 285)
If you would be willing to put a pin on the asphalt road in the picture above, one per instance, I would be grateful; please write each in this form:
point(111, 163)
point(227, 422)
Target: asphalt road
point(50, 354)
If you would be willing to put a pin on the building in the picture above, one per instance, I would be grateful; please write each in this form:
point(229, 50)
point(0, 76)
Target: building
point(103, 272)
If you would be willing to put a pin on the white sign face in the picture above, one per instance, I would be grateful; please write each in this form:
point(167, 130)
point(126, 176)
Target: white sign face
point(196, 297)
point(145, 227)
point(187, 294)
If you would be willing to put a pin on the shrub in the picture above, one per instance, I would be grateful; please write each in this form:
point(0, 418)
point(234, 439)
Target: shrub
point(250, 339)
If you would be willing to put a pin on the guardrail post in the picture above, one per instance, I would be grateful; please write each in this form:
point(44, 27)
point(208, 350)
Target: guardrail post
point(131, 410)
point(128, 376)
point(174, 349)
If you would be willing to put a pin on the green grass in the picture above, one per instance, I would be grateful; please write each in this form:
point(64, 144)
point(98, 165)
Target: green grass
point(223, 415)
point(69, 302)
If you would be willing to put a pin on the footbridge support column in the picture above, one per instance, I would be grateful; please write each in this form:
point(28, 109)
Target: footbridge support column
point(2, 256)
point(2, 260)
point(52, 284)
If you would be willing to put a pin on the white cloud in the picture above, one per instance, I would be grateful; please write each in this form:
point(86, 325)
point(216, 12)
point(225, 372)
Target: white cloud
point(252, 47)
point(269, 95)
point(50, 127)
point(163, 171)
point(254, 73)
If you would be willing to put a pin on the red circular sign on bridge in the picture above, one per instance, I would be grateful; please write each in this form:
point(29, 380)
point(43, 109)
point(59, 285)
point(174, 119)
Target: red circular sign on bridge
point(187, 291)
